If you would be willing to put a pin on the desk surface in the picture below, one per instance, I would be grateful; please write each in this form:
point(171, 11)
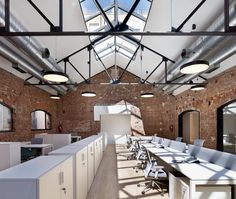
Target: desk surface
point(203, 171)
point(36, 145)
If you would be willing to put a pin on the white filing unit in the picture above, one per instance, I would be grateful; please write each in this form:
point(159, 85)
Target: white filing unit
point(80, 167)
point(10, 154)
point(97, 155)
point(91, 171)
point(45, 177)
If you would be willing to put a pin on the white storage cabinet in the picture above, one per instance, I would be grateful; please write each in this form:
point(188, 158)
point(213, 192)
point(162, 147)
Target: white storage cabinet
point(10, 154)
point(80, 167)
point(41, 178)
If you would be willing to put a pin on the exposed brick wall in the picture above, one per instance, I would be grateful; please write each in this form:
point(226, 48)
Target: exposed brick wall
point(76, 112)
point(23, 100)
point(220, 90)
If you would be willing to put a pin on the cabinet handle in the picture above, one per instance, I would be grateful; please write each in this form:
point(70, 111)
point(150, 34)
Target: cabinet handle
point(64, 189)
point(83, 163)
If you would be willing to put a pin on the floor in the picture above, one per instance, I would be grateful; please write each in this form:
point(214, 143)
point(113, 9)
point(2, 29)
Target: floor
point(116, 178)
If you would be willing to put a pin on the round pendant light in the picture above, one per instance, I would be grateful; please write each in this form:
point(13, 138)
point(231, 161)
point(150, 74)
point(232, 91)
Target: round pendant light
point(147, 95)
point(88, 94)
point(194, 67)
point(55, 76)
point(198, 87)
point(56, 97)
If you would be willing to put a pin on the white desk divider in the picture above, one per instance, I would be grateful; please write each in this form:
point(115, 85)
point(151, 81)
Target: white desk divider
point(10, 154)
point(45, 177)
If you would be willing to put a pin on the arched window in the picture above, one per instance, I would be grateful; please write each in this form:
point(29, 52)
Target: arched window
point(6, 119)
point(189, 125)
point(226, 127)
point(40, 120)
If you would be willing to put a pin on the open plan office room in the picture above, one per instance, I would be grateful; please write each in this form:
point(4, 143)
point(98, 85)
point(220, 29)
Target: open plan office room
point(117, 99)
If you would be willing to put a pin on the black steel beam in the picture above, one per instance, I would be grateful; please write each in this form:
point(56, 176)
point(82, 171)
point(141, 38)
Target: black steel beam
point(27, 79)
point(128, 64)
point(77, 71)
point(61, 15)
point(226, 14)
point(118, 33)
point(190, 15)
point(89, 49)
point(126, 19)
point(152, 72)
point(155, 52)
point(104, 14)
point(53, 28)
point(103, 66)
point(7, 15)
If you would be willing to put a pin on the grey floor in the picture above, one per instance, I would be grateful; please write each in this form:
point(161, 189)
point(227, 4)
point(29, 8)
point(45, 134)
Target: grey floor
point(116, 178)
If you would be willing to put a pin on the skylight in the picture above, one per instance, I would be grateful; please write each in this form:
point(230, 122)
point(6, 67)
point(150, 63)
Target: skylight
point(115, 11)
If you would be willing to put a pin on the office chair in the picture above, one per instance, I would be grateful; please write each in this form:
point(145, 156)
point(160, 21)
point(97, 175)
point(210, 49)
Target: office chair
point(155, 175)
point(179, 139)
point(37, 141)
point(141, 155)
point(198, 142)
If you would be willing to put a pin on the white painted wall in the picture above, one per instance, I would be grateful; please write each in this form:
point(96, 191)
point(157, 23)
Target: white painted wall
point(116, 126)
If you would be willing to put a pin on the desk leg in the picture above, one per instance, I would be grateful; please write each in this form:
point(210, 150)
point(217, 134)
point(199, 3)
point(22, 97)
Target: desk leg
point(192, 189)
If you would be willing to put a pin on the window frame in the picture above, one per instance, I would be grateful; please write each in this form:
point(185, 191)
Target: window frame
point(50, 118)
point(11, 111)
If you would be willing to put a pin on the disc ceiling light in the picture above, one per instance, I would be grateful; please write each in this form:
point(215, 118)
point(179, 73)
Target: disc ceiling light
point(55, 76)
point(56, 97)
point(147, 95)
point(194, 67)
point(198, 87)
point(88, 94)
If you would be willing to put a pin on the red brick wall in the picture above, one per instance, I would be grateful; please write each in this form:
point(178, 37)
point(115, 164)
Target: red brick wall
point(76, 112)
point(23, 100)
point(220, 90)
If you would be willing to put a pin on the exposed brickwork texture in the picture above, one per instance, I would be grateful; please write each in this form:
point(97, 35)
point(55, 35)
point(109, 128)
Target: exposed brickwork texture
point(76, 112)
point(220, 90)
point(159, 114)
point(24, 100)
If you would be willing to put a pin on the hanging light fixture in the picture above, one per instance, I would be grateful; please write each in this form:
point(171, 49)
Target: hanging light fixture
point(194, 67)
point(198, 87)
point(88, 94)
point(57, 97)
point(55, 76)
point(147, 95)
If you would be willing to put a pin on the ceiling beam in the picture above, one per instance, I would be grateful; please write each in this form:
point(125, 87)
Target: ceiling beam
point(118, 33)
point(190, 15)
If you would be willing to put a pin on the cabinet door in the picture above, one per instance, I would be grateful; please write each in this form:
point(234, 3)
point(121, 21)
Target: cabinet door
point(66, 179)
point(90, 164)
point(81, 174)
point(96, 164)
point(49, 184)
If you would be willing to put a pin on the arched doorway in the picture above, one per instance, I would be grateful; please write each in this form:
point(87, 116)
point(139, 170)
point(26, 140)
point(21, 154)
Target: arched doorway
point(189, 125)
point(226, 127)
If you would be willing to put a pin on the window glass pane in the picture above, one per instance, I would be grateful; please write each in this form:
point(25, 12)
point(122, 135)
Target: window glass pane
point(40, 120)
point(143, 8)
point(95, 23)
point(110, 14)
point(121, 15)
point(106, 52)
point(125, 43)
point(136, 24)
point(104, 44)
point(106, 3)
point(125, 52)
point(126, 4)
point(89, 8)
point(5, 118)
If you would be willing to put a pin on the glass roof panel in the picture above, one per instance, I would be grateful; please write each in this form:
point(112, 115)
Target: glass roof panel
point(125, 52)
point(89, 8)
point(143, 8)
point(106, 3)
point(104, 44)
point(111, 14)
point(126, 4)
point(126, 43)
point(95, 23)
point(136, 24)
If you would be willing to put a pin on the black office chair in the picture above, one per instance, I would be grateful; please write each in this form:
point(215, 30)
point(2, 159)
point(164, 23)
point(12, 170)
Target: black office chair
point(155, 175)
point(37, 141)
point(28, 154)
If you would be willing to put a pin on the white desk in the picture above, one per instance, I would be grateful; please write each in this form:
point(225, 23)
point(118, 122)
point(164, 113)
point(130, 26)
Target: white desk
point(203, 173)
point(44, 148)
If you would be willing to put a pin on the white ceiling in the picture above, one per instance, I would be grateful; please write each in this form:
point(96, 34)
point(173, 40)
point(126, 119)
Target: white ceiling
point(164, 14)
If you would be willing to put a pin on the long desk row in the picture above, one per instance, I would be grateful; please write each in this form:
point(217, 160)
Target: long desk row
point(66, 173)
point(197, 172)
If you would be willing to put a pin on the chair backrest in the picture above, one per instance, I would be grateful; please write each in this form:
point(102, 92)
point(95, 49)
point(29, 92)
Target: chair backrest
point(156, 140)
point(37, 141)
point(198, 142)
point(179, 146)
point(179, 139)
point(166, 142)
